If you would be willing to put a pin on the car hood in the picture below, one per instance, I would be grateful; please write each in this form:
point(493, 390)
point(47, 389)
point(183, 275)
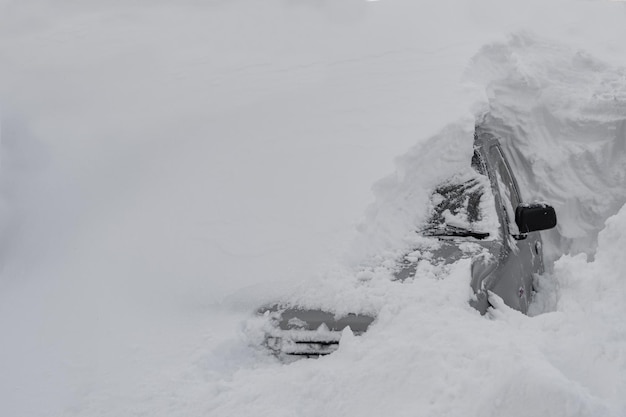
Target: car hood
point(441, 251)
point(294, 330)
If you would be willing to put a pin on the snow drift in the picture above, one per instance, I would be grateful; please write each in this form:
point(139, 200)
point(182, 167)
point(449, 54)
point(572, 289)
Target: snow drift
point(562, 115)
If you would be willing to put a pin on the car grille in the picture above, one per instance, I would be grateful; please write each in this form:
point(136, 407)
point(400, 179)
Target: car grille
point(303, 343)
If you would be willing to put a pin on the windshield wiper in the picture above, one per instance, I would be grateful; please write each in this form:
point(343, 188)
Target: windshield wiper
point(454, 231)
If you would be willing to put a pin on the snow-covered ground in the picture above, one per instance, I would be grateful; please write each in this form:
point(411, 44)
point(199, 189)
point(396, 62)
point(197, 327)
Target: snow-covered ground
point(167, 168)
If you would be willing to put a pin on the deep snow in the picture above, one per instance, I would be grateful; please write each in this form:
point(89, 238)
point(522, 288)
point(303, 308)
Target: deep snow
point(165, 169)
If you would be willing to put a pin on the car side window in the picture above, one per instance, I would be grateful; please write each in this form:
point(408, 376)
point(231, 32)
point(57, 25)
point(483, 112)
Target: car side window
point(508, 191)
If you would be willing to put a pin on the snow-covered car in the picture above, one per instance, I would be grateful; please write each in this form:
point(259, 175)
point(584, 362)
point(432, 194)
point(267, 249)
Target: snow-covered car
point(478, 215)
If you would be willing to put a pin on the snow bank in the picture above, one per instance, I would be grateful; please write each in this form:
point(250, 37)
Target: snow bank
point(596, 289)
point(592, 295)
point(562, 115)
point(428, 354)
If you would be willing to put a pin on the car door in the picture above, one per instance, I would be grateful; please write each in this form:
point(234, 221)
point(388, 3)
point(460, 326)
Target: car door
point(521, 255)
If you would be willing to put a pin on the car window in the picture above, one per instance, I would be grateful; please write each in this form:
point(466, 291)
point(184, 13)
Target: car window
point(508, 191)
point(478, 163)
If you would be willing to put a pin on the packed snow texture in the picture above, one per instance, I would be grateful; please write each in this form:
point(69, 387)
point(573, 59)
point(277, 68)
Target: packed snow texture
point(561, 114)
point(167, 169)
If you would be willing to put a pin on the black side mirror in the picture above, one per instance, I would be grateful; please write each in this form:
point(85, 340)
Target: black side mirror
point(533, 217)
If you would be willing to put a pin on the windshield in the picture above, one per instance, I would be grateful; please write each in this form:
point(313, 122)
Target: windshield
point(463, 206)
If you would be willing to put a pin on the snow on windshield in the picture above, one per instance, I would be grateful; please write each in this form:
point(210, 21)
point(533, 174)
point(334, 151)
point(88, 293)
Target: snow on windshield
point(464, 201)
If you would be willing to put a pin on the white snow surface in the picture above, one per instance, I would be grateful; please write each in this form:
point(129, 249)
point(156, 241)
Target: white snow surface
point(167, 168)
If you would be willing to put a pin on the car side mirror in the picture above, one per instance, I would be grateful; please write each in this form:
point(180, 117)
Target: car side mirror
point(534, 217)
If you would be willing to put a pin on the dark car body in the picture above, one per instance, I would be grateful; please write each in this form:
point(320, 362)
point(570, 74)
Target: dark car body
point(505, 253)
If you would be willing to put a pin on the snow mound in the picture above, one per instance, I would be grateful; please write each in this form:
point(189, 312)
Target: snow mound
point(400, 199)
point(429, 354)
point(590, 303)
point(361, 281)
point(597, 288)
point(562, 116)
